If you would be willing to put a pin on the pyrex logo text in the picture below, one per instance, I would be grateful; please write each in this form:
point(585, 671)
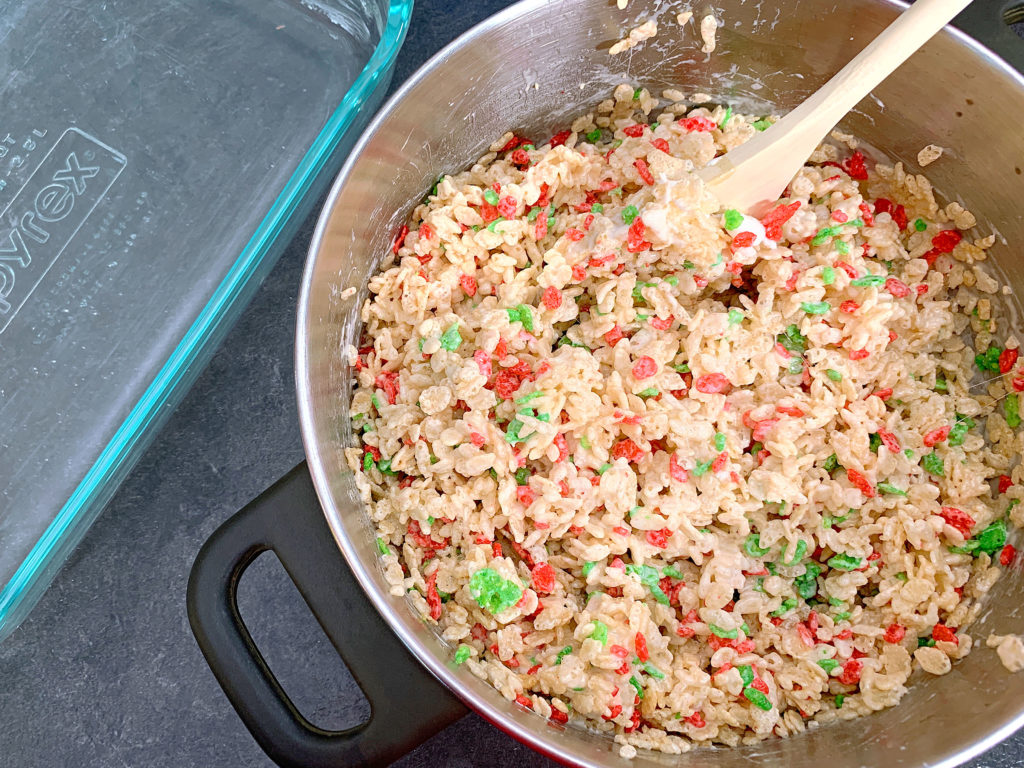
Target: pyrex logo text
point(48, 211)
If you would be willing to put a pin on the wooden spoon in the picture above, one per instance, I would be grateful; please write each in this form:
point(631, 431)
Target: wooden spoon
point(752, 176)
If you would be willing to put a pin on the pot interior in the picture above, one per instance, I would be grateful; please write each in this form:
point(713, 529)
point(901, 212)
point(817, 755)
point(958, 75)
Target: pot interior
point(532, 69)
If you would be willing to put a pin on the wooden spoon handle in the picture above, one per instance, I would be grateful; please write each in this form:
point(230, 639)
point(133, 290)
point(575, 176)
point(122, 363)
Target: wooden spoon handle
point(758, 171)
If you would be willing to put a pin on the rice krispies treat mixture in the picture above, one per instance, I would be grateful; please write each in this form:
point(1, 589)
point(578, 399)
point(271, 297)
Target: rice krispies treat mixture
point(678, 474)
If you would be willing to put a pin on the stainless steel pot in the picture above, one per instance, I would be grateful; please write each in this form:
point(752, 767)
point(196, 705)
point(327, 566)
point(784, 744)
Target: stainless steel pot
point(534, 67)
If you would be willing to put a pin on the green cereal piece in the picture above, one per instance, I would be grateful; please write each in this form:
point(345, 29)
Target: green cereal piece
point(746, 674)
point(800, 551)
point(531, 396)
point(834, 375)
point(683, 368)
point(562, 654)
point(672, 280)
point(735, 316)
point(824, 234)
point(757, 698)
point(1011, 410)
point(869, 281)
point(828, 664)
point(874, 442)
point(604, 468)
point(382, 547)
point(843, 562)
point(671, 570)
point(594, 135)
point(451, 339)
point(901, 576)
point(588, 567)
point(719, 442)
point(636, 685)
point(653, 671)
point(796, 365)
point(806, 584)
point(733, 218)
point(890, 488)
point(932, 464)
point(597, 208)
point(815, 307)
point(525, 316)
point(831, 463)
point(584, 442)
point(492, 592)
point(649, 392)
point(689, 264)
point(843, 248)
point(636, 93)
point(629, 213)
point(840, 698)
point(787, 605)
point(728, 634)
point(491, 196)
point(522, 476)
point(728, 115)
point(752, 546)
point(702, 467)
point(762, 125)
point(828, 275)
point(532, 215)
point(992, 539)
point(462, 653)
point(920, 225)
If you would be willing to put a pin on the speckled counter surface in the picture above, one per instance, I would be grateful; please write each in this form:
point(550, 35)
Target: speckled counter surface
point(106, 673)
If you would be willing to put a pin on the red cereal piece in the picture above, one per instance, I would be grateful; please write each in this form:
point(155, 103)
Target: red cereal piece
point(522, 701)
point(676, 470)
point(851, 672)
point(856, 167)
point(507, 207)
point(588, 221)
point(372, 451)
point(848, 269)
point(644, 368)
point(858, 481)
point(1007, 359)
point(559, 138)
point(496, 549)
point(506, 383)
point(759, 685)
point(520, 157)
point(488, 212)
point(762, 428)
point(839, 216)
point(791, 282)
point(775, 218)
point(946, 240)
point(889, 440)
point(640, 643)
point(958, 519)
point(644, 170)
point(698, 124)
point(558, 716)
point(433, 598)
point(936, 436)
point(1004, 483)
point(552, 297)
point(849, 307)
point(696, 720)
point(897, 288)
point(789, 410)
point(574, 234)
point(579, 272)
point(1007, 554)
point(621, 530)
point(882, 394)
point(543, 578)
point(389, 383)
point(618, 651)
point(898, 212)
point(468, 284)
point(635, 242)
point(637, 129)
point(742, 240)
point(658, 538)
point(806, 636)
point(540, 229)
point(614, 336)
point(399, 239)
point(720, 461)
point(895, 633)
point(525, 495)
point(662, 324)
point(867, 214)
point(941, 633)
point(477, 439)
point(1018, 383)
point(660, 144)
point(426, 232)
point(483, 362)
point(628, 450)
point(713, 383)
point(858, 354)
point(685, 632)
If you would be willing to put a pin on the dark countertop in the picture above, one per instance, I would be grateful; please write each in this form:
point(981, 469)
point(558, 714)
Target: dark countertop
point(105, 672)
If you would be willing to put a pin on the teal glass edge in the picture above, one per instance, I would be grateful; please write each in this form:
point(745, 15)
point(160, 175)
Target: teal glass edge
point(34, 574)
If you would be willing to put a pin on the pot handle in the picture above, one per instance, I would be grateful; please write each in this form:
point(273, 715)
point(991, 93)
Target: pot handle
point(989, 23)
point(407, 704)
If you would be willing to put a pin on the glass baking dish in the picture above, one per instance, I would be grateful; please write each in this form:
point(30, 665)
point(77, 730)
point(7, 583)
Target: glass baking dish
point(154, 159)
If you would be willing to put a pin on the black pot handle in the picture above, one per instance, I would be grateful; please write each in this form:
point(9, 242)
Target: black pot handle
point(407, 704)
point(986, 21)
